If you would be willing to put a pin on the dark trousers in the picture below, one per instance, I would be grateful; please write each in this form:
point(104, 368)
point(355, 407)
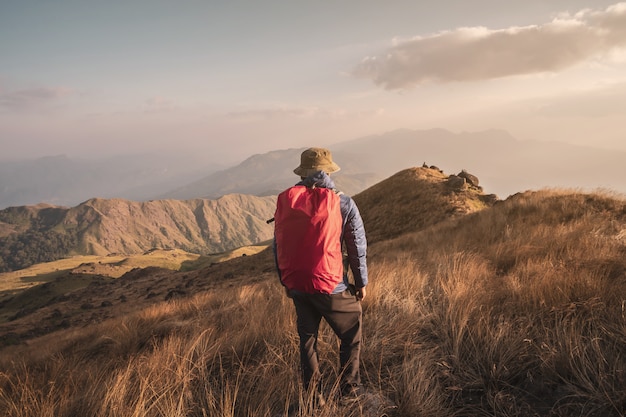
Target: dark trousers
point(344, 315)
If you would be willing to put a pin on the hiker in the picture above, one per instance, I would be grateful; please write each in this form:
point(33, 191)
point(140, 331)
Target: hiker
point(313, 222)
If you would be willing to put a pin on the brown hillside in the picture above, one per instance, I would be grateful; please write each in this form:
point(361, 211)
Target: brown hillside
point(413, 199)
point(105, 298)
point(110, 226)
point(201, 226)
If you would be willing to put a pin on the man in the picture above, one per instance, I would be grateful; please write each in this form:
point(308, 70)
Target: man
point(313, 222)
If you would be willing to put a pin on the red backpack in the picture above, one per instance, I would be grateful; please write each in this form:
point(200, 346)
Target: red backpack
point(308, 239)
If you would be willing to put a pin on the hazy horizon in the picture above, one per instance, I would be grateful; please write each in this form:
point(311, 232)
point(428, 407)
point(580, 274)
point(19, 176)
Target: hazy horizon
point(181, 157)
point(241, 78)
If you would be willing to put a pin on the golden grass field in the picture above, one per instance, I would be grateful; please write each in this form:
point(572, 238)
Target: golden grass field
point(115, 266)
point(512, 310)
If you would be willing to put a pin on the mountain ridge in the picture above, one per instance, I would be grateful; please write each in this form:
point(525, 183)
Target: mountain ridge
point(107, 226)
point(506, 165)
point(40, 233)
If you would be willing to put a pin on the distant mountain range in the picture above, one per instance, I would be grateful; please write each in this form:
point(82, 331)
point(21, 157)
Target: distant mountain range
point(65, 181)
point(269, 174)
point(41, 233)
point(504, 164)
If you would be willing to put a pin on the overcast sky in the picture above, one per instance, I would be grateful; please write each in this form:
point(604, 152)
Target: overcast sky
point(227, 79)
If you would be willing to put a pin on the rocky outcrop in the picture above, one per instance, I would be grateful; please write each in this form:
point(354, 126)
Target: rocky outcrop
point(463, 180)
point(455, 182)
point(471, 179)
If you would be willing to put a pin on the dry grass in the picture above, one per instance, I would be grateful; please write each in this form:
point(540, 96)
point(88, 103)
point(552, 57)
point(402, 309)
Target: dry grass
point(517, 310)
point(112, 266)
point(115, 266)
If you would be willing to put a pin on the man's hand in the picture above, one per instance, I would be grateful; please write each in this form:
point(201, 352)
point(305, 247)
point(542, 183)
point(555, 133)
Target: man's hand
point(360, 293)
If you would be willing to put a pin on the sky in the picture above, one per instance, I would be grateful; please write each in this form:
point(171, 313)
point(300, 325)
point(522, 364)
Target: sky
point(223, 80)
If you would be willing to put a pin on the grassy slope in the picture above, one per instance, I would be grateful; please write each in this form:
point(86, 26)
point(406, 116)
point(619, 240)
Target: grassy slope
point(111, 266)
point(25, 291)
point(514, 310)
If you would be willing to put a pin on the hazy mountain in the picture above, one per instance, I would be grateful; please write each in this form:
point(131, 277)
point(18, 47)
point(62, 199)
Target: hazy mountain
point(504, 164)
point(41, 233)
point(268, 174)
point(65, 181)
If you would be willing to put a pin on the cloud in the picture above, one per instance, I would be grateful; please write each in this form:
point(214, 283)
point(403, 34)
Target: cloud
point(31, 98)
point(478, 53)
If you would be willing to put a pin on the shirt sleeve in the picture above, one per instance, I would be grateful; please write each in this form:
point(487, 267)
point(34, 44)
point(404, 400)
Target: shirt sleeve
point(355, 241)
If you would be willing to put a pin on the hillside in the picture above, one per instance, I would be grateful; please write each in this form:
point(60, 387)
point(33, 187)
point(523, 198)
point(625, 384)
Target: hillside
point(475, 307)
point(416, 198)
point(42, 233)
